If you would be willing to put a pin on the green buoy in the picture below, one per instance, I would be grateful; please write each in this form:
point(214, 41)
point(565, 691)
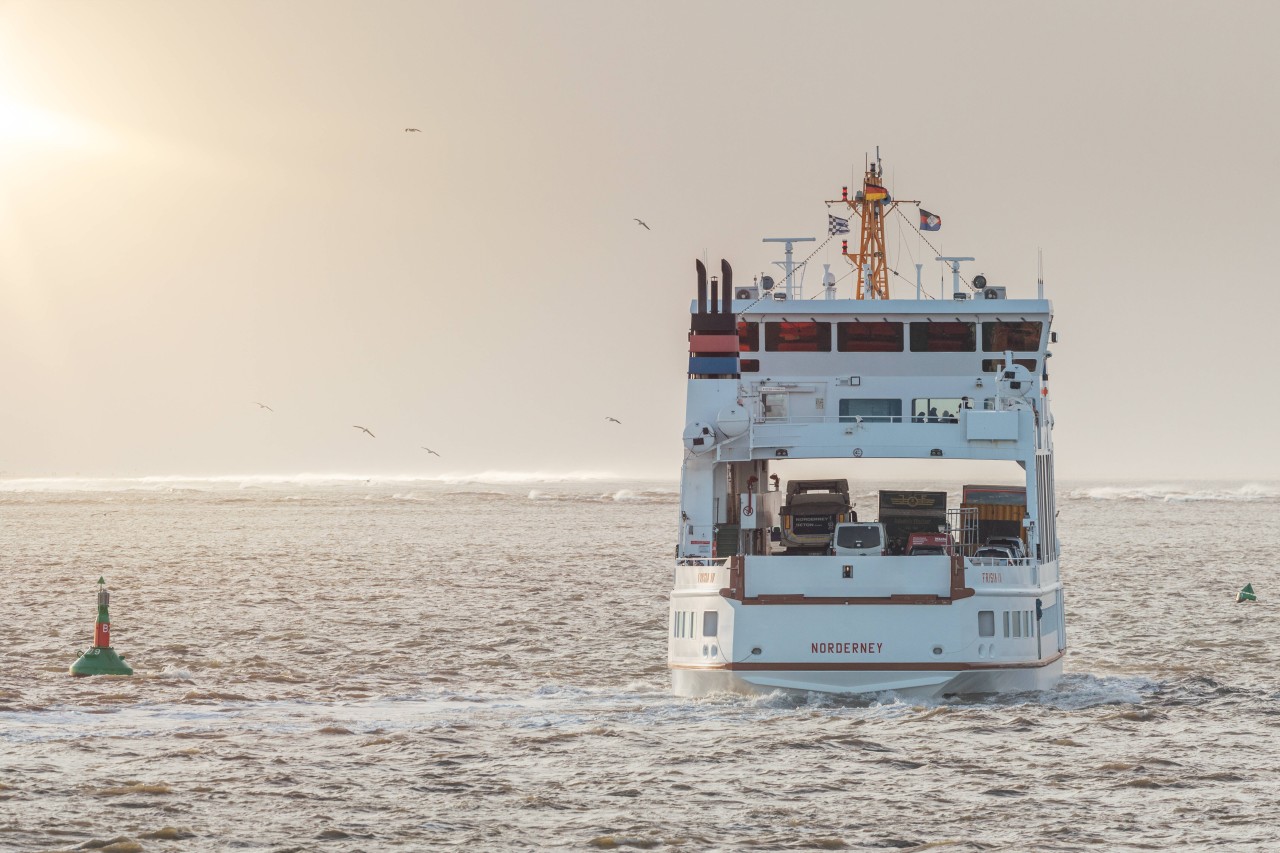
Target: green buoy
point(101, 659)
point(1246, 594)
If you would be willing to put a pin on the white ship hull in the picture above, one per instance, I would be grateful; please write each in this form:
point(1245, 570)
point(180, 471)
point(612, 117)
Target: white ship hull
point(952, 628)
point(696, 682)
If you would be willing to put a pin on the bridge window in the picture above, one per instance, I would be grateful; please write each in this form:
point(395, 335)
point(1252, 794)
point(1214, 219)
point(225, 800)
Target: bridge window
point(1016, 336)
point(710, 623)
point(944, 337)
point(869, 337)
point(873, 411)
point(797, 337)
point(748, 365)
point(748, 337)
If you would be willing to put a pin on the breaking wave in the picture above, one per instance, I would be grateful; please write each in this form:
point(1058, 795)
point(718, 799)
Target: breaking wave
point(1222, 493)
point(642, 496)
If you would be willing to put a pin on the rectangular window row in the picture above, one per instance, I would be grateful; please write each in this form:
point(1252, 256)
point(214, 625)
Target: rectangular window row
point(888, 336)
point(684, 623)
point(924, 410)
point(1022, 623)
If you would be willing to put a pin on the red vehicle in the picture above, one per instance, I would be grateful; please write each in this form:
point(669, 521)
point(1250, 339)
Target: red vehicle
point(925, 544)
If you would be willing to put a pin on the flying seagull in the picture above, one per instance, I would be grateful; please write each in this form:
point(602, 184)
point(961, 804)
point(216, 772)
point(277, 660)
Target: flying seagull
point(642, 222)
point(363, 429)
point(615, 420)
point(412, 130)
point(263, 406)
point(432, 452)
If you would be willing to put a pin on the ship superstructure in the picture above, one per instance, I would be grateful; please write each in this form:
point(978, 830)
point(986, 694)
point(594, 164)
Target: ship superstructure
point(775, 378)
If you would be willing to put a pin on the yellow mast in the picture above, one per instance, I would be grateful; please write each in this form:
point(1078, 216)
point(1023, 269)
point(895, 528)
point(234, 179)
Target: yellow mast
point(871, 204)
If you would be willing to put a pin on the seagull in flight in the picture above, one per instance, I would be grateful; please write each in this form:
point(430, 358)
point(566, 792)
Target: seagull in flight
point(429, 450)
point(615, 420)
point(642, 222)
point(263, 406)
point(363, 429)
point(412, 130)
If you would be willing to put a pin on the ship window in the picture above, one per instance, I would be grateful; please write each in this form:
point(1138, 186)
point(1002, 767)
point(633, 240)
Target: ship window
point(1016, 336)
point(1017, 624)
point(748, 337)
point(710, 623)
point(873, 411)
point(986, 623)
point(943, 337)
point(936, 410)
point(797, 337)
point(748, 365)
point(1006, 623)
point(991, 365)
point(869, 337)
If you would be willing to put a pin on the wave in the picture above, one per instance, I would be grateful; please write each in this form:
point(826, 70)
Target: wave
point(175, 482)
point(1180, 493)
point(644, 496)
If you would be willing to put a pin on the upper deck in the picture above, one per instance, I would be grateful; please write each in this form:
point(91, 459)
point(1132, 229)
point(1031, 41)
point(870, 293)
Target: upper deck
point(876, 371)
point(896, 337)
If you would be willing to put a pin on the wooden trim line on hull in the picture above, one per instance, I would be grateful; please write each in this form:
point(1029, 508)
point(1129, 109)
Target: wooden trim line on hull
point(755, 666)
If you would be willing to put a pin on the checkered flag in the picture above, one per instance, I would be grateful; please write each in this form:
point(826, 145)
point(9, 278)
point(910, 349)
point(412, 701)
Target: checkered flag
point(836, 225)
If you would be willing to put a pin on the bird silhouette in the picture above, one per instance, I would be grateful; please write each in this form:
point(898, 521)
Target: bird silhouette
point(642, 222)
point(432, 452)
point(412, 130)
point(615, 420)
point(363, 429)
point(263, 406)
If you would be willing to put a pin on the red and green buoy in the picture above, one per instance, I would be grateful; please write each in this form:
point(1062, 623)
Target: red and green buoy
point(101, 659)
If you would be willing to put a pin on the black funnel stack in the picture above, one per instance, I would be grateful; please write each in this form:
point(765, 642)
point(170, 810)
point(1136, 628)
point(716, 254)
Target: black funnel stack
point(713, 328)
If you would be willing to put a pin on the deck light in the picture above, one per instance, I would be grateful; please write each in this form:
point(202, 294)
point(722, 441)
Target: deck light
point(937, 451)
point(780, 453)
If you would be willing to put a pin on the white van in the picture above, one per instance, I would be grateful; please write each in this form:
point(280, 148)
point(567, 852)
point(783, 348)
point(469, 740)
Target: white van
point(859, 539)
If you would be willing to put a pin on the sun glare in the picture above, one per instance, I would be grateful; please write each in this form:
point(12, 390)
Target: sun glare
point(24, 125)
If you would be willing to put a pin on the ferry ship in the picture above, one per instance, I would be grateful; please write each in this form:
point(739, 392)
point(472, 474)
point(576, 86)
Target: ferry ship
point(785, 584)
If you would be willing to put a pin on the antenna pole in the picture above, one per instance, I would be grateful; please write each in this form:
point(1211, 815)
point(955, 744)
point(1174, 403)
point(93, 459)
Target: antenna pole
point(1039, 273)
point(788, 267)
point(955, 271)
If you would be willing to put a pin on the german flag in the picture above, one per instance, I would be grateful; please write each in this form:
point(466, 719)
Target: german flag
point(876, 193)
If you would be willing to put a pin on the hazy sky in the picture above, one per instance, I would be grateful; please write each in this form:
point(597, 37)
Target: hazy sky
point(207, 204)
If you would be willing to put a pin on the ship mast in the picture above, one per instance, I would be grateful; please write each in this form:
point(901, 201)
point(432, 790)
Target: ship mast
point(871, 204)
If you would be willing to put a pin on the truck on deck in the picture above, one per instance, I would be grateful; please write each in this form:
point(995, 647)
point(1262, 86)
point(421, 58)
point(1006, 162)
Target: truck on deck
point(1000, 510)
point(812, 511)
point(903, 513)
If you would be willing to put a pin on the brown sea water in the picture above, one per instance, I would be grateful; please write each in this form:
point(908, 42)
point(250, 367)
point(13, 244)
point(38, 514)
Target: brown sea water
point(413, 665)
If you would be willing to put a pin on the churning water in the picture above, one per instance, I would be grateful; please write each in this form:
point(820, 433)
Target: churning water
point(414, 665)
